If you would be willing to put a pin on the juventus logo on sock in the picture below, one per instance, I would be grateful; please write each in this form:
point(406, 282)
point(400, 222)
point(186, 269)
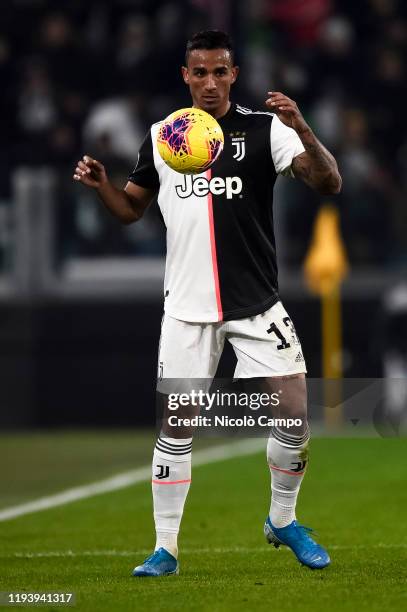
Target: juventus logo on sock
point(164, 471)
point(300, 466)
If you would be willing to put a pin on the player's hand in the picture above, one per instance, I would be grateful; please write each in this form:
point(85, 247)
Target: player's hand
point(287, 111)
point(90, 172)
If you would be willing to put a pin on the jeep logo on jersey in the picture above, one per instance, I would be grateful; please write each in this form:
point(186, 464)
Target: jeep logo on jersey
point(200, 186)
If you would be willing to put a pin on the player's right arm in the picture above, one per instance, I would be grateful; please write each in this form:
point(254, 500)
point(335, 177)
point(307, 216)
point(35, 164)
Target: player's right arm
point(128, 204)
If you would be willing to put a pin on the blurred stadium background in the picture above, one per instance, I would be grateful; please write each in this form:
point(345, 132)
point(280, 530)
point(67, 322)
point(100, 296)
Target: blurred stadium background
point(81, 302)
point(80, 295)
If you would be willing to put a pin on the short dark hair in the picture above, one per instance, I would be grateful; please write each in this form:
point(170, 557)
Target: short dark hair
point(209, 39)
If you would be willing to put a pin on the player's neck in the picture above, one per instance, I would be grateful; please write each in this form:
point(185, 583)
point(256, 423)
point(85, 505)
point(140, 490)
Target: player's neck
point(221, 112)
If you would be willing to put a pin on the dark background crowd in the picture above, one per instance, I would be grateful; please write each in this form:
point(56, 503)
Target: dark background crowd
point(92, 76)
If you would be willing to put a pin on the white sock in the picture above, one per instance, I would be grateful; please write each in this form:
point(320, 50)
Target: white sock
point(171, 477)
point(287, 456)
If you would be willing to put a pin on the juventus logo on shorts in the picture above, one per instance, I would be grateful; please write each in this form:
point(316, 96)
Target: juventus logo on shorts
point(239, 143)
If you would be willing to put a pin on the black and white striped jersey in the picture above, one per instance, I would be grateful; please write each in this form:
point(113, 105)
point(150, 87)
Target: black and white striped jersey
point(221, 257)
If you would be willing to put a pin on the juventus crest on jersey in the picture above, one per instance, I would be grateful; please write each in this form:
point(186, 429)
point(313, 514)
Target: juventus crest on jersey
point(221, 259)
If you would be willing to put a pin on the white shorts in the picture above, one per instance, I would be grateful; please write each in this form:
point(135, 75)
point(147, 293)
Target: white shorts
point(265, 345)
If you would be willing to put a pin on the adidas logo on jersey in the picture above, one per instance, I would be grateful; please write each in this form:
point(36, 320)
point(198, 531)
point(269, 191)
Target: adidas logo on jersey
point(200, 186)
point(299, 357)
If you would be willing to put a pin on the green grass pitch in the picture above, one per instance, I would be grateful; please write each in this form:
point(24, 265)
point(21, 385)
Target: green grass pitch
point(354, 495)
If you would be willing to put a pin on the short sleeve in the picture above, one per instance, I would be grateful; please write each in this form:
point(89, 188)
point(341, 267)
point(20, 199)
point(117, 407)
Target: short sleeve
point(145, 173)
point(285, 145)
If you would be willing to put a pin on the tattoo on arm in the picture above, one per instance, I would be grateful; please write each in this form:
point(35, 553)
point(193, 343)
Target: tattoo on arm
point(302, 168)
point(317, 166)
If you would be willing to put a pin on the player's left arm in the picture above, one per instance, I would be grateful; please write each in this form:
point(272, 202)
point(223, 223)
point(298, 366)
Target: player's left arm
point(317, 167)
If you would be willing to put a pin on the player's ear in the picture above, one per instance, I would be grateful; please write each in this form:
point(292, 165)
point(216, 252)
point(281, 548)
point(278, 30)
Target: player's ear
point(235, 72)
point(185, 74)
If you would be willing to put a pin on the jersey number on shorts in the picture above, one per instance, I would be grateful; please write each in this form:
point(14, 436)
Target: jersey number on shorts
point(273, 329)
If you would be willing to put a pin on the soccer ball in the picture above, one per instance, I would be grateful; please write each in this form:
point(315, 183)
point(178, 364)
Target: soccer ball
point(190, 140)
